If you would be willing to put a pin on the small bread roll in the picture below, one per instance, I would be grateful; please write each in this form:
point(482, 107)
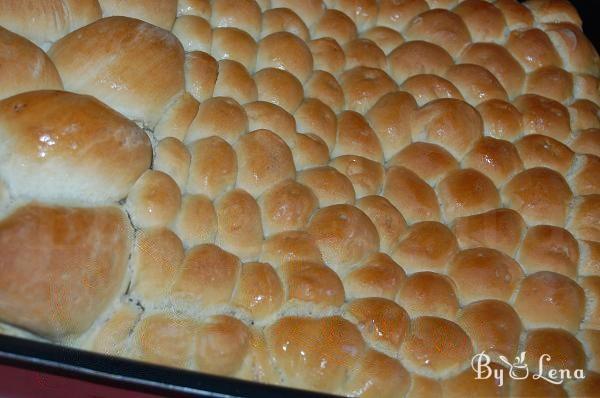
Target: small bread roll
point(222, 343)
point(484, 273)
point(74, 260)
point(344, 234)
point(329, 185)
point(430, 162)
point(324, 87)
point(157, 12)
point(494, 327)
point(53, 18)
point(381, 321)
point(548, 248)
point(364, 86)
point(309, 10)
point(335, 24)
point(533, 49)
point(355, 137)
point(290, 247)
point(587, 141)
point(548, 11)
point(315, 117)
point(466, 192)
point(328, 55)
point(112, 336)
point(396, 15)
point(362, 12)
point(547, 299)
point(156, 258)
point(385, 38)
point(585, 176)
point(200, 8)
point(312, 283)
point(428, 246)
point(259, 291)
point(310, 152)
point(387, 219)
point(542, 151)
point(499, 62)
point(177, 119)
point(208, 276)
point(280, 88)
point(429, 293)
point(541, 195)
point(584, 115)
point(426, 88)
point(221, 117)
point(165, 339)
point(500, 229)
point(451, 123)
point(436, 347)
point(515, 14)
point(153, 200)
point(378, 276)
point(213, 167)
point(240, 228)
point(285, 51)
point(300, 345)
point(264, 160)
point(565, 351)
point(551, 82)
point(364, 52)
point(576, 50)
point(25, 67)
point(501, 119)
point(101, 60)
point(584, 220)
point(196, 221)
point(378, 376)
point(418, 57)
point(586, 87)
point(240, 14)
point(484, 21)
point(476, 83)
point(235, 82)
point(173, 158)
point(366, 175)
point(392, 120)
point(440, 27)
point(57, 146)
point(591, 286)
point(590, 258)
point(265, 115)
point(497, 159)
point(283, 20)
point(411, 195)
point(287, 206)
point(234, 44)
point(544, 116)
point(201, 71)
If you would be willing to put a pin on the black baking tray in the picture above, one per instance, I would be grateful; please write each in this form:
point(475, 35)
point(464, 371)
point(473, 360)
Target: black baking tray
point(129, 375)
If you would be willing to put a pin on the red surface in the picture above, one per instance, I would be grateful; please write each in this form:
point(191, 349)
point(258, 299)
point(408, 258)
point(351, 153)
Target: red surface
point(22, 383)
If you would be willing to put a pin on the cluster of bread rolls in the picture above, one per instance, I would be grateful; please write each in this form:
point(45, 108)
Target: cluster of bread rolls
point(350, 196)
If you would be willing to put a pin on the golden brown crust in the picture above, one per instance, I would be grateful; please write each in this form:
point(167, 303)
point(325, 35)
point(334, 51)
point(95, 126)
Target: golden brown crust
point(443, 28)
point(411, 195)
point(73, 259)
point(41, 132)
point(428, 293)
point(102, 59)
point(25, 67)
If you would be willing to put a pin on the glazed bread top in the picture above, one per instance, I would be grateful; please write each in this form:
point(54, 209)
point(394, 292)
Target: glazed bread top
point(352, 197)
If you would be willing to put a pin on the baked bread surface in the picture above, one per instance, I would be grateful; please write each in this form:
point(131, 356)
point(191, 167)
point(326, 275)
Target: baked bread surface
point(347, 196)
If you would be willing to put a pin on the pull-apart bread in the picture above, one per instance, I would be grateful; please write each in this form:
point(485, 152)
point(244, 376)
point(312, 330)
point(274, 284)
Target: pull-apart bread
point(348, 196)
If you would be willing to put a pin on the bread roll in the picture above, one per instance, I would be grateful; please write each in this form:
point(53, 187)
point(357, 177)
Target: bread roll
point(100, 59)
point(52, 134)
point(352, 197)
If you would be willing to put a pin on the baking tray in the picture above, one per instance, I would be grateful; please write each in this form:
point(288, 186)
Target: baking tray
point(35, 369)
